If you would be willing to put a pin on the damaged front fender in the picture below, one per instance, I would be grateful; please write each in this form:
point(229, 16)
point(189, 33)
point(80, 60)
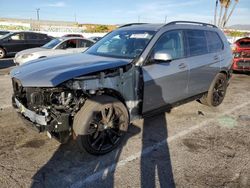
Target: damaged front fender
point(120, 81)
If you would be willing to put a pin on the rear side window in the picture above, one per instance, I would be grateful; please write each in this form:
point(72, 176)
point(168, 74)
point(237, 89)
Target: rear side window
point(42, 37)
point(68, 44)
point(196, 42)
point(31, 36)
point(36, 36)
point(84, 43)
point(214, 42)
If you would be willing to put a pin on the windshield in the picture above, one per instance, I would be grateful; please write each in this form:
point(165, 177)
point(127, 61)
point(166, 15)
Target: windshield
point(52, 44)
point(5, 35)
point(122, 44)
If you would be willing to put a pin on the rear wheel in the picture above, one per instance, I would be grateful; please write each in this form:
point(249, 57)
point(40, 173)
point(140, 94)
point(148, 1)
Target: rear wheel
point(216, 92)
point(105, 120)
point(2, 53)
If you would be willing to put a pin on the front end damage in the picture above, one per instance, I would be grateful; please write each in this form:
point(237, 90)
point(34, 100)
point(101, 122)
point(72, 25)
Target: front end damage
point(53, 109)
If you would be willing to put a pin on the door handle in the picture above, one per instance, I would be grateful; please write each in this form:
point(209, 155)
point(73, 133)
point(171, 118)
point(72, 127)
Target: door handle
point(216, 58)
point(182, 66)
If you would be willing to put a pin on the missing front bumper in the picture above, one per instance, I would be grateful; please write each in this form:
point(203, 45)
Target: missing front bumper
point(32, 116)
point(59, 123)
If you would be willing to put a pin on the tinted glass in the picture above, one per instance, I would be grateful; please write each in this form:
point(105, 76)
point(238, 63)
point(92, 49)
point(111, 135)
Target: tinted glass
point(214, 42)
point(122, 44)
point(31, 36)
point(52, 43)
point(244, 44)
point(172, 43)
point(196, 41)
point(3, 33)
point(68, 44)
point(42, 37)
point(84, 43)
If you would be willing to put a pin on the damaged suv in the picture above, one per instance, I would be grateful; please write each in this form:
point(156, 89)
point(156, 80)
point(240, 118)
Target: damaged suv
point(135, 71)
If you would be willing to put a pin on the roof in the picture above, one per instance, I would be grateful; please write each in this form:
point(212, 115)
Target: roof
point(72, 38)
point(142, 26)
point(156, 27)
point(243, 39)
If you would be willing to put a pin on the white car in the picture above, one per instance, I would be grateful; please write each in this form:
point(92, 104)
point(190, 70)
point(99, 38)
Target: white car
point(59, 46)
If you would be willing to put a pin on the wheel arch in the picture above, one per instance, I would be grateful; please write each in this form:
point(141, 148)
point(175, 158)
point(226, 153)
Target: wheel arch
point(82, 130)
point(226, 72)
point(4, 49)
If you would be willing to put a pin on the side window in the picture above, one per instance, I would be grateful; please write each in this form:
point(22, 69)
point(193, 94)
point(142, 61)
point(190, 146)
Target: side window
point(19, 36)
point(196, 41)
point(31, 36)
point(214, 42)
point(84, 44)
point(172, 43)
point(41, 37)
point(68, 44)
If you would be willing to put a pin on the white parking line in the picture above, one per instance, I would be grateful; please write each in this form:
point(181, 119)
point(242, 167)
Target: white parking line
point(104, 172)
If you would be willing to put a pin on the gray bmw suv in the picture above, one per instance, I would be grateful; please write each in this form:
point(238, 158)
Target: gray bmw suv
point(135, 71)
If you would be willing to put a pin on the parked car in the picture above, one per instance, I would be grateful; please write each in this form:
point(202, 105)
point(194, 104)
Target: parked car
point(73, 35)
point(241, 51)
point(95, 38)
point(2, 33)
point(60, 46)
point(15, 42)
point(135, 71)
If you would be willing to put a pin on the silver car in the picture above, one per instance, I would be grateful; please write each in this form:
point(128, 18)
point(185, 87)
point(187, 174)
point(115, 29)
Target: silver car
point(58, 46)
point(135, 71)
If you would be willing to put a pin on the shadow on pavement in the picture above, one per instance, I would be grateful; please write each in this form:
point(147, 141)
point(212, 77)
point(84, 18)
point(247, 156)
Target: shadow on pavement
point(156, 165)
point(69, 165)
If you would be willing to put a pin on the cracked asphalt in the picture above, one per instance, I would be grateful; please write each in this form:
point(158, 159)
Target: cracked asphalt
point(192, 146)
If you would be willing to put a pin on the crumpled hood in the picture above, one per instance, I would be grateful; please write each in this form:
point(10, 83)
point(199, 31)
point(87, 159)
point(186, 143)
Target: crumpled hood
point(51, 72)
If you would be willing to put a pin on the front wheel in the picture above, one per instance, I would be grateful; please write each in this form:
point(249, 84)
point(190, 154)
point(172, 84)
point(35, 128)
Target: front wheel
point(2, 53)
point(105, 121)
point(216, 92)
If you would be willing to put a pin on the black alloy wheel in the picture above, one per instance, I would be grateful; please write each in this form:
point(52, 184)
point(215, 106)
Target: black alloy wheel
point(101, 124)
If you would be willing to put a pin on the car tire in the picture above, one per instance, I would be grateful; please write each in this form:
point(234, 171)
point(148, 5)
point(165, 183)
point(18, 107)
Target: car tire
point(216, 92)
point(2, 53)
point(105, 120)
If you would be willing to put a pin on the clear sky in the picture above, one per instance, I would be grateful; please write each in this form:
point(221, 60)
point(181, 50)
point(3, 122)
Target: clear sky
point(121, 11)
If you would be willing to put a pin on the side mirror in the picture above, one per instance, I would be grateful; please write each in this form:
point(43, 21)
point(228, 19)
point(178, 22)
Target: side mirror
point(162, 56)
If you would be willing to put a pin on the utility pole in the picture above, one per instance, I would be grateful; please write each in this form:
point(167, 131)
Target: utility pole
point(38, 18)
point(215, 12)
point(75, 16)
point(37, 13)
point(165, 19)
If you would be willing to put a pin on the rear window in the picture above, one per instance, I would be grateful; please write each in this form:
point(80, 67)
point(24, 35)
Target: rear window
point(214, 42)
point(244, 44)
point(196, 41)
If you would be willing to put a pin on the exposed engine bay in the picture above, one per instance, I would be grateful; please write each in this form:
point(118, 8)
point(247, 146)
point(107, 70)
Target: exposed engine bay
point(59, 105)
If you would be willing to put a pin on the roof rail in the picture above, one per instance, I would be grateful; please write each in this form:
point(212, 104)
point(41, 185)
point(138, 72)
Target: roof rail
point(130, 24)
point(191, 22)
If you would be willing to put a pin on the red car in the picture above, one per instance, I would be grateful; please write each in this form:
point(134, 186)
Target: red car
point(241, 52)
